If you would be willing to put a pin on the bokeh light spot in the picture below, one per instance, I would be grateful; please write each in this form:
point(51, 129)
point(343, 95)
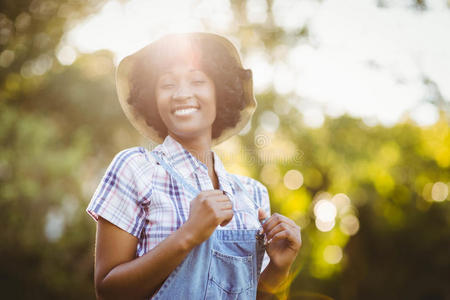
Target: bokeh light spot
point(66, 55)
point(341, 201)
point(332, 254)
point(270, 174)
point(293, 179)
point(439, 192)
point(54, 225)
point(6, 58)
point(325, 210)
point(269, 121)
point(349, 225)
point(324, 226)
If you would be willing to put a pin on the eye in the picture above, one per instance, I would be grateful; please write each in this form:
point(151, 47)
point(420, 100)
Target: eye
point(198, 81)
point(167, 85)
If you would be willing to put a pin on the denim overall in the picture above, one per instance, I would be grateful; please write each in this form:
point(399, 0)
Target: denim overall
point(225, 266)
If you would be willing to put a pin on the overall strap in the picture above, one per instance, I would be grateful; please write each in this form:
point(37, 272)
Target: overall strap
point(175, 174)
point(239, 183)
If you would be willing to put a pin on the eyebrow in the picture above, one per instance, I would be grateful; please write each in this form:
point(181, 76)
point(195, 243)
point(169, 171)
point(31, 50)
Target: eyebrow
point(170, 72)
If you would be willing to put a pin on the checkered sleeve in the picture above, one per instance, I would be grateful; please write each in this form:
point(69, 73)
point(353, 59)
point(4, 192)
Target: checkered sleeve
point(117, 197)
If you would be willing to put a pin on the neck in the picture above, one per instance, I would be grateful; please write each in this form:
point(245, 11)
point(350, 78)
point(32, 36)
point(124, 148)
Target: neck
point(200, 147)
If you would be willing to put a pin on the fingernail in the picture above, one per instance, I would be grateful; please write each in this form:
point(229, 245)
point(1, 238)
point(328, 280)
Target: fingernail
point(269, 241)
point(261, 231)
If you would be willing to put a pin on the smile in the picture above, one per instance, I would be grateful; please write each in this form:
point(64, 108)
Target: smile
point(185, 111)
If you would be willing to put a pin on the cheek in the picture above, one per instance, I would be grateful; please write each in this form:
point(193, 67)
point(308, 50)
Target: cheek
point(161, 107)
point(159, 98)
point(212, 107)
point(212, 101)
point(158, 105)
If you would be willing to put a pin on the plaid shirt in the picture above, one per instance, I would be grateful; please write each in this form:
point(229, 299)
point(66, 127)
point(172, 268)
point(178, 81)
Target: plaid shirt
point(137, 195)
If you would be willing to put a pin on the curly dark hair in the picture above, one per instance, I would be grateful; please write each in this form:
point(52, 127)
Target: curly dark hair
point(214, 59)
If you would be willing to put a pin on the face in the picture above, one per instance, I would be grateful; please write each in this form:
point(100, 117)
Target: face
point(186, 101)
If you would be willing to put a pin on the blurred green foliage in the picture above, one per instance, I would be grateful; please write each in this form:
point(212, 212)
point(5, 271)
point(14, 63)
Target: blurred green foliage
point(59, 130)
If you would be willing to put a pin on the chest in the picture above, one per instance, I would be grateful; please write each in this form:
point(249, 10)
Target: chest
point(170, 201)
point(169, 204)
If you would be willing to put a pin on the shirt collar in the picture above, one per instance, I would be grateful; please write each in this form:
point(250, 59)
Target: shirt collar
point(185, 163)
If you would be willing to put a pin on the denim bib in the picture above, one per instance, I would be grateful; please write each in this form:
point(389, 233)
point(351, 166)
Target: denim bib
point(225, 266)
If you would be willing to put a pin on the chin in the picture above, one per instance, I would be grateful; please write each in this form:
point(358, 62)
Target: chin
point(188, 133)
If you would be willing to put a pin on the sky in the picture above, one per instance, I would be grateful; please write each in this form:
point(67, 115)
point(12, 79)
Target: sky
point(361, 59)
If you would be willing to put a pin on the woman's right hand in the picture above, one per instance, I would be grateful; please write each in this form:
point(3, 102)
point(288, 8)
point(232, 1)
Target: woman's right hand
point(119, 274)
point(208, 210)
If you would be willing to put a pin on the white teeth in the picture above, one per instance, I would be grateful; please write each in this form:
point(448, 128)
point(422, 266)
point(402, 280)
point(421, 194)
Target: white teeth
point(186, 111)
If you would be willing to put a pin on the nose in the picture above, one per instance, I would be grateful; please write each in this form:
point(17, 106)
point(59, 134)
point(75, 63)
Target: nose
point(183, 91)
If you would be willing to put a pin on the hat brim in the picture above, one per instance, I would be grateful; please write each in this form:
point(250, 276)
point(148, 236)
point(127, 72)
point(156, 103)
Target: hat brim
point(136, 117)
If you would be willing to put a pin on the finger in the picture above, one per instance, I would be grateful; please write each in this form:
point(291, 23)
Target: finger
point(219, 198)
point(212, 192)
point(226, 206)
point(282, 235)
point(282, 223)
point(227, 216)
point(287, 220)
point(262, 215)
point(275, 219)
point(287, 235)
point(278, 228)
point(205, 195)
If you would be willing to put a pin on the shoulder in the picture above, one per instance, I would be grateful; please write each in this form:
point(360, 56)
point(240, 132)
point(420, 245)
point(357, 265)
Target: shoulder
point(251, 182)
point(132, 159)
point(256, 190)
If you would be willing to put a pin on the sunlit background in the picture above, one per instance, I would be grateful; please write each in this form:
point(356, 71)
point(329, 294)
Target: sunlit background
point(395, 57)
point(351, 135)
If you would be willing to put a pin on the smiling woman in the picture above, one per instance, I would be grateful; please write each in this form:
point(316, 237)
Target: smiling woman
point(181, 226)
point(212, 62)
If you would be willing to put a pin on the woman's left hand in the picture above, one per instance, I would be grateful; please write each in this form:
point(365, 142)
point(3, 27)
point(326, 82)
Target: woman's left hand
point(283, 239)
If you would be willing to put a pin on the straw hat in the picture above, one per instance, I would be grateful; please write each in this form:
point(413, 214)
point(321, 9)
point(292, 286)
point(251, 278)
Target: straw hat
point(136, 117)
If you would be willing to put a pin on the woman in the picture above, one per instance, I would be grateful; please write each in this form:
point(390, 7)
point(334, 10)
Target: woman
point(172, 223)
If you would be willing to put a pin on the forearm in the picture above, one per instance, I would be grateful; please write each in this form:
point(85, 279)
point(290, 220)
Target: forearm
point(142, 276)
point(272, 281)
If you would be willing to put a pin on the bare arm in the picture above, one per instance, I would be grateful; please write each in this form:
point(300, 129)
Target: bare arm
point(120, 275)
